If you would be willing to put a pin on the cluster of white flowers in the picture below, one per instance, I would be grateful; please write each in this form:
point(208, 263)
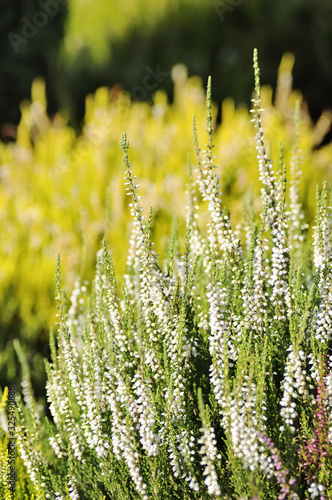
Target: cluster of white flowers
point(316, 490)
point(123, 439)
point(329, 395)
point(88, 430)
point(128, 448)
point(279, 273)
point(195, 241)
point(182, 456)
point(30, 452)
point(29, 458)
point(180, 349)
point(76, 316)
point(220, 235)
point(57, 445)
point(92, 422)
point(61, 411)
point(322, 236)
point(186, 447)
point(322, 321)
point(5, 478)
point(181, 452)
point(254, 296)
point(265, 166)
point(219, 328)
point(314, 367)
point(244, 421)
point(149, 438)
point(91, 418)
point(154, 288)
point(72, 490)
point(70, 360)
point(297, 226)
point(293, 385)
point(115, 334)
point(173, 454)
point(175, 390)
point(125, 374)
point(132, 280)
point(151, 299)
point(117, 421)
point(209, 454)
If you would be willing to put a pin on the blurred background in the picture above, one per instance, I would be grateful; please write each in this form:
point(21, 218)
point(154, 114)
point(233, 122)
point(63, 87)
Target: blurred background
point(75, 74)
point(78, 46)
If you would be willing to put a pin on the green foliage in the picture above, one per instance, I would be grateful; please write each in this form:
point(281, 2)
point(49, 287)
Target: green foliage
point(24, 486)
point(209, 375)
point(59, 192)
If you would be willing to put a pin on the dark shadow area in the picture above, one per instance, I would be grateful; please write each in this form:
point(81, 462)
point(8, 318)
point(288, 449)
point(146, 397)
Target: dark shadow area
point(31, 32)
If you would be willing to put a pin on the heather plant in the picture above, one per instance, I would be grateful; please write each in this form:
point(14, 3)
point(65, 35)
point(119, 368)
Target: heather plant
point(315, 444)
point(208, 375)
point(25, 488)
point(62, 192)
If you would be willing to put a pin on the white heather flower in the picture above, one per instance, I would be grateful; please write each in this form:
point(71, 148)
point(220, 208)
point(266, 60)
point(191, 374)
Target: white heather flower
point(294, 384)
point(123, 442)
point(30, 453)
point(329, 395)
point(315, 490)
point(196, 243)
point(73, 493)
point(70, 357)
point(116, 424)
point(280, 254)
point(182, 456)
point(116, 337)
point(91, 421)
point(217, 298)
point(145, 409)
point(57, 445)
point(314, 371)
point(266, 172)
point(253, 292)
point(173, 455)
point(244, 423)
point(322, 320)
point(220, 235)
point(296, 220)
point(132, 280)
point(209, 453)
point(322, 235)
point(179, 350)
